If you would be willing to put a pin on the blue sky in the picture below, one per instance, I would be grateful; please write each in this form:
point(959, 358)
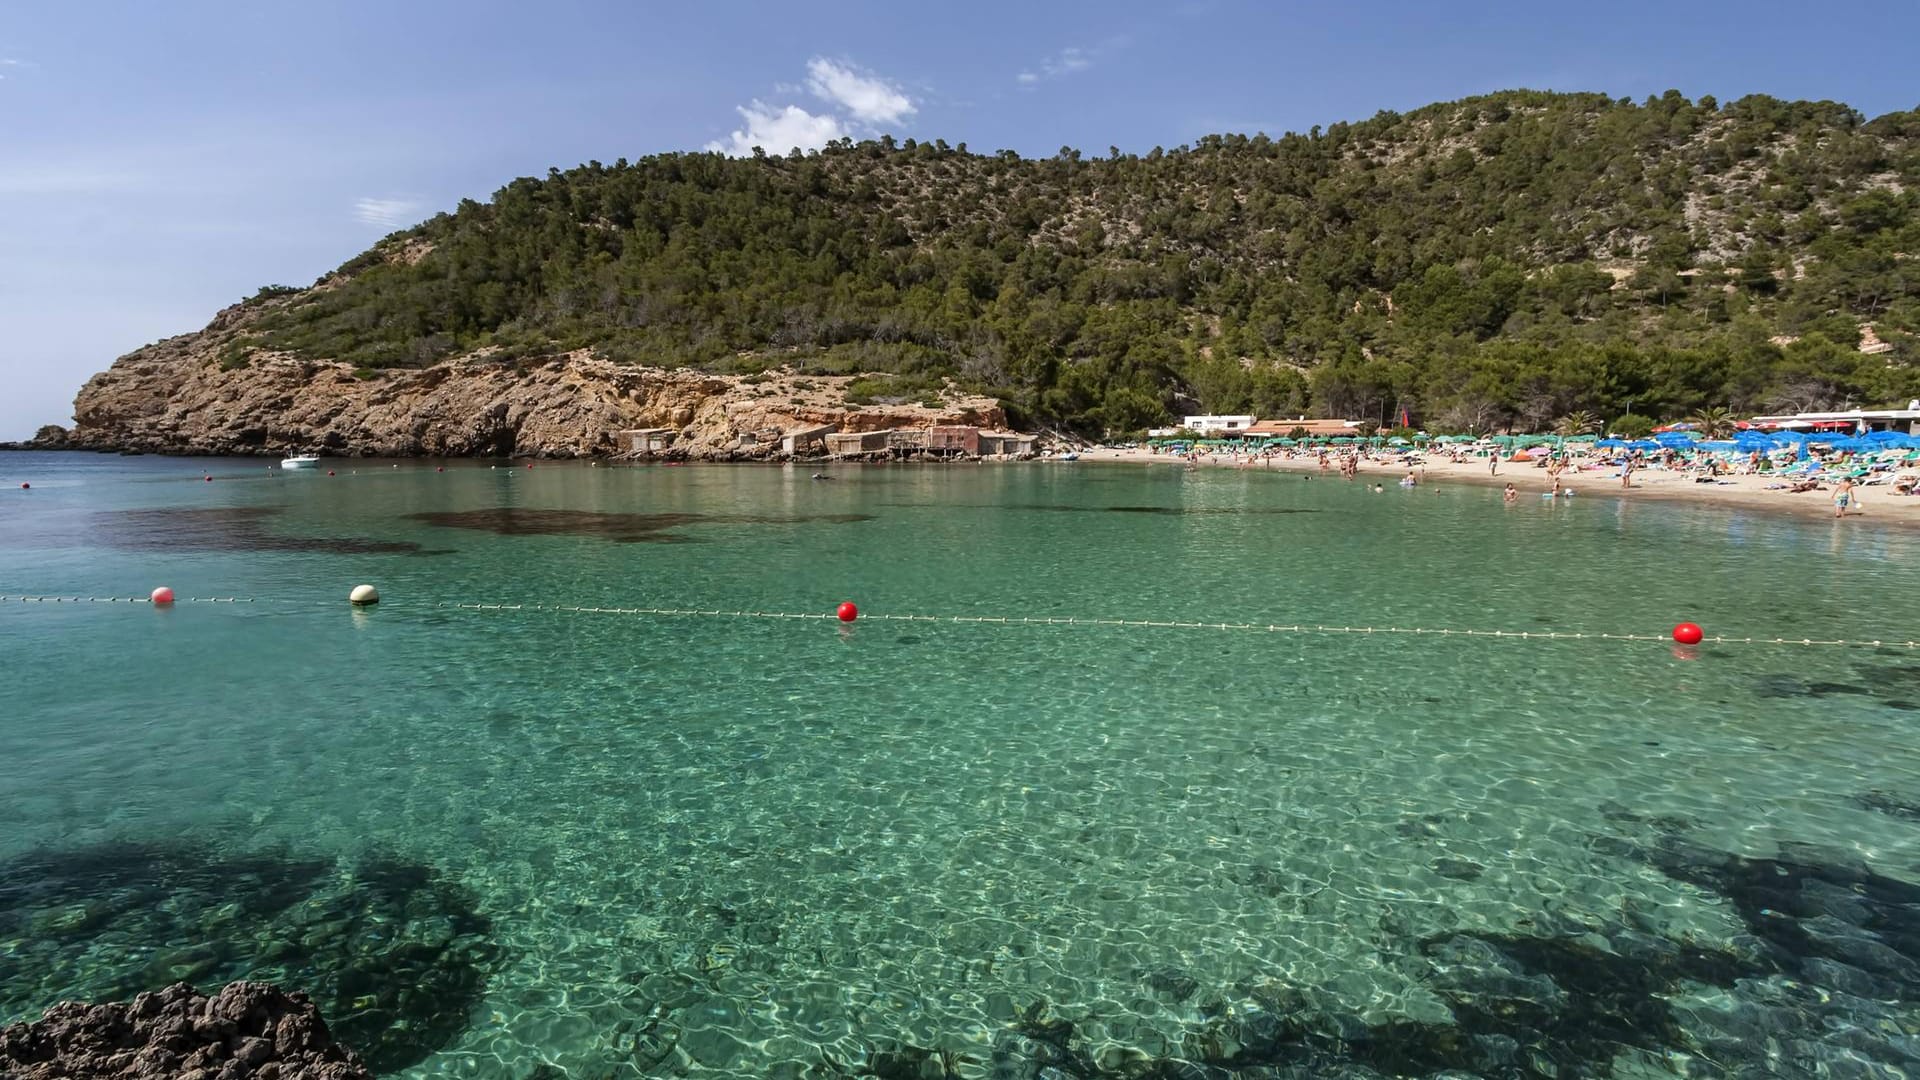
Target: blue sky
point(158, 161)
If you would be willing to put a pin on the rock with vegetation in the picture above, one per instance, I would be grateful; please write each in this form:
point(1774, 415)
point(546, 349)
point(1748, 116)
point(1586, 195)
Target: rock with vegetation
point(247, 1029)
point(1503, 261)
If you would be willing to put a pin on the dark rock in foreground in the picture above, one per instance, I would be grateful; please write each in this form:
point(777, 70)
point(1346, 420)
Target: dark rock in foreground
point(248, 1029)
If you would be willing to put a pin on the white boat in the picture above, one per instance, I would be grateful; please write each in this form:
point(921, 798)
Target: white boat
point(304, 461)
point(1066, 455)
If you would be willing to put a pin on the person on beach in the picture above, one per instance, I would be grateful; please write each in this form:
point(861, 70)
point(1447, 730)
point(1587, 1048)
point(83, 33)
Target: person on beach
point(1843, 498)
point(1626, 473)
point(1511, 495)
point(1493, 463)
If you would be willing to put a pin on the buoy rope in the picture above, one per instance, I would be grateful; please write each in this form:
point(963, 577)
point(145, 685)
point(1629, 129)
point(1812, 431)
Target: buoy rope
point(1039, 620)
point(123, 599)
point(1271, 628)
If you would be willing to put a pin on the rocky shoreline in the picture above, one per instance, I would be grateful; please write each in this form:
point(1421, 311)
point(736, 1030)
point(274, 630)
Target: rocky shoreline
point(247, 1029)
point(216, 392)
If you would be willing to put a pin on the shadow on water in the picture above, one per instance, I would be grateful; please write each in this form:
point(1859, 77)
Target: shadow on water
point(619, 528)
point(396, 957)
point(1824, 980)
point(237, 528)
point(1822, 976)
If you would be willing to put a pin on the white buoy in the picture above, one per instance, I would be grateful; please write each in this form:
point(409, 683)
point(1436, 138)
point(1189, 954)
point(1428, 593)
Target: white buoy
point(363, 595)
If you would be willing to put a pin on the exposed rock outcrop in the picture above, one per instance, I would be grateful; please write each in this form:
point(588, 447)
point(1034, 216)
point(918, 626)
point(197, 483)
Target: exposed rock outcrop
point(207, 393)
point(246, 1030)
point(49, 437)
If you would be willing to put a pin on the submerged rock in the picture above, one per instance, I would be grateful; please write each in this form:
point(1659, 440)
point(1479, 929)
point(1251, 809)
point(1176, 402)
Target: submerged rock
point(247, 1029)
point(395, 953)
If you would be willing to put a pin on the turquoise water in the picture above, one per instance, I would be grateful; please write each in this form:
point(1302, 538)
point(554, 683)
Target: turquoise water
point(493, 843)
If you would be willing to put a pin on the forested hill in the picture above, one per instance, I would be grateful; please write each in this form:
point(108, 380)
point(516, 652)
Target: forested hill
point(1503, 260)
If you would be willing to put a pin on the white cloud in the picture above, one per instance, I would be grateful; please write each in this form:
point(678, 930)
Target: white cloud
point(387, 213)
point(860, 101)
point(778, 130)
point(1071, 60)
point(1068, 61)
point(869, 98)
point(9, 62)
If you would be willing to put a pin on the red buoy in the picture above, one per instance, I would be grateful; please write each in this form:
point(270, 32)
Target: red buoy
point(848, 612)
point(208, 479)
point(161, 595)
point(529, 464)
point(1688, 633)
point(442, 468)
point(24, 485)
point(329, 472)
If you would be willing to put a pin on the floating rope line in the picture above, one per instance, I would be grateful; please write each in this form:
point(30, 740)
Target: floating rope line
point(1042, 620)
point(123, 599)
point(1271, 628)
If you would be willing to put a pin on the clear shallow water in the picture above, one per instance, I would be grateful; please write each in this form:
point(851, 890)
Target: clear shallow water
point(632, 846)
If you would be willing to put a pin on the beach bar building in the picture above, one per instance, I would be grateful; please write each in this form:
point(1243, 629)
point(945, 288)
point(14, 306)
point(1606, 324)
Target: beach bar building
point(1278, 429)
point(1216, 425)
point(1851, 421)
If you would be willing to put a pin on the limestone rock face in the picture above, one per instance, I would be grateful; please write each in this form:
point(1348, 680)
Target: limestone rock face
point(208, 393)
point(247, 1029)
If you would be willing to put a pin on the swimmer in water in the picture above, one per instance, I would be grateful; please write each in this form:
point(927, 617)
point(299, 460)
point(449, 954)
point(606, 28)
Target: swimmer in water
point(1378, 488)
point(1511, 495)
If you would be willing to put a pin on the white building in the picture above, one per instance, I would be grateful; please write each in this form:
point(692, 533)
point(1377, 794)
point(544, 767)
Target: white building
point(1905, 421)
point(1209, 425)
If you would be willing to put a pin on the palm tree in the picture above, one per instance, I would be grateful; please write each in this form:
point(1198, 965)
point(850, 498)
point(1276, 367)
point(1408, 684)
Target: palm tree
point(1579, 422)
point(1712, 422)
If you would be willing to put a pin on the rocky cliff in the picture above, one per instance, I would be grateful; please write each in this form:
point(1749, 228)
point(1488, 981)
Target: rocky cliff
point(248, 1029)
point(210, 393)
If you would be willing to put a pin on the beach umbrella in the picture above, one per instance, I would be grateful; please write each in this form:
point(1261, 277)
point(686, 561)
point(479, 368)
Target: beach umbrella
point(1398, 440)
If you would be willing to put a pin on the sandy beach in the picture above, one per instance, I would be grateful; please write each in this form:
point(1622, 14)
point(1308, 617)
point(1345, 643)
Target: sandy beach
point(1875, 505)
